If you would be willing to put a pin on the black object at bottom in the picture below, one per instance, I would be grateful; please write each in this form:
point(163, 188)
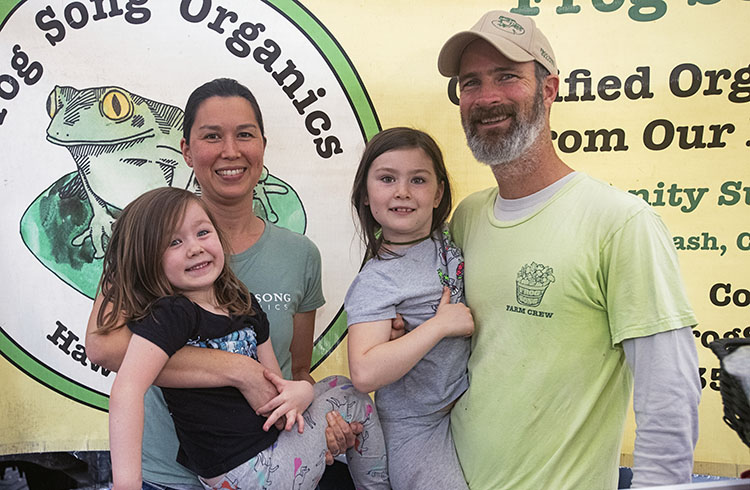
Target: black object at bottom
point(734, 398)
point(336, 477)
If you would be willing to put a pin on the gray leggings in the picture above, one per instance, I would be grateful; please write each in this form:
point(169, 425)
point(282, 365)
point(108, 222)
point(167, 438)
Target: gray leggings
point(297, 460)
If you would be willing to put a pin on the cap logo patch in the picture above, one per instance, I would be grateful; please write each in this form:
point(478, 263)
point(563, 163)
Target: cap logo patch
point(508, 25)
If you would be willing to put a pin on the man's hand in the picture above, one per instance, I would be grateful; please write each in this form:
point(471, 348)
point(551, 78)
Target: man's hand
point(340, 436)
point(397, 327)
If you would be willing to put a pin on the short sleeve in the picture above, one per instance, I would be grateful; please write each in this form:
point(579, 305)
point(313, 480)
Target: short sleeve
point(645, 292)
point(171, 322)
point(259, 322)
point(313, 288)
point(370, 298)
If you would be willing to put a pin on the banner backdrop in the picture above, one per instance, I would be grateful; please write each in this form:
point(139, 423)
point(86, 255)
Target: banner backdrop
point(653, 98)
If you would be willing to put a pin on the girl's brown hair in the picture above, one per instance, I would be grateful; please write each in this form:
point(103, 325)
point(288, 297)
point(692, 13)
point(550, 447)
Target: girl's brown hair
point(133, 275)
point(387, 140)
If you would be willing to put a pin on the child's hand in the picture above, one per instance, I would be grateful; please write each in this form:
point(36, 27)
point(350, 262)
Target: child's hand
point(293, 399)
point(455, 319)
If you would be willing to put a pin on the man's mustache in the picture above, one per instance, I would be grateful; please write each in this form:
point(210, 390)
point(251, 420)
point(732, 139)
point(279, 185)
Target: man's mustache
point(478, 114)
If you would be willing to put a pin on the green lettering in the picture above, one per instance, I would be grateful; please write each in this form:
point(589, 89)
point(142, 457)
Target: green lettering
point(657, 10)
point(567, 7)
point(525, 8)
point(603, 6)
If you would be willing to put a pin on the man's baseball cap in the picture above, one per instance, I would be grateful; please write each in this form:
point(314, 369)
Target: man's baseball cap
point(515, 36)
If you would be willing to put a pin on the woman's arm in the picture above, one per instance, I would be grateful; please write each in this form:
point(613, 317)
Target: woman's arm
point(190, 367)
point(302, 345)
point(138, 369)
point(267, 358)
point(374, 361)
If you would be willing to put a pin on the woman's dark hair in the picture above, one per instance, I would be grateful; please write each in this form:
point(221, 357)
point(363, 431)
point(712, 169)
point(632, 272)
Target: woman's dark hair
point(133, 276)
point(387, 140)
point(220, 87)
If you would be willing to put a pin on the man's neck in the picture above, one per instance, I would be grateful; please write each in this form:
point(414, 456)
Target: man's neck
point(536, 169)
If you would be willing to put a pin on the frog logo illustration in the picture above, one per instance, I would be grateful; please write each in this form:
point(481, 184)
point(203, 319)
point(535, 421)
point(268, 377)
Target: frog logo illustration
point(76, 149)
point(508, 25)
point(532, 282)
point(123, 144)
point(262, 197)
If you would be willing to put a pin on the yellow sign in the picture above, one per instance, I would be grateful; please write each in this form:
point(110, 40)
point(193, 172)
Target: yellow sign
point(654, 98)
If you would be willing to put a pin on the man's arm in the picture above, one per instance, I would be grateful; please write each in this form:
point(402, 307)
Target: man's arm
point(190, 367)
point(666, 394)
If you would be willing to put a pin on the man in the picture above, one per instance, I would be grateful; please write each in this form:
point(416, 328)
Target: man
point(575, 290)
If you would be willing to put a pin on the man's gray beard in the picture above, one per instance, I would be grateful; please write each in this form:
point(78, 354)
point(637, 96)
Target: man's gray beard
point(495, 148)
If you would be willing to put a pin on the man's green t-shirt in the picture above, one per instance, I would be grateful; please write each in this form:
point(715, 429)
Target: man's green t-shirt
point(552, 296)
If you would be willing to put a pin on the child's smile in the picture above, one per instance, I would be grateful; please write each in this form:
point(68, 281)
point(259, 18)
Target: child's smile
point(194, 258)
point(402, 192)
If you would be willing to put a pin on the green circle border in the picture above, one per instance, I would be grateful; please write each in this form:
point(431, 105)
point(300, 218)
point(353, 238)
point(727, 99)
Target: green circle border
point(369, 125)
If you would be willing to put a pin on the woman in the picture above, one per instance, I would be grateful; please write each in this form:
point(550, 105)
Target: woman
point(224, 142)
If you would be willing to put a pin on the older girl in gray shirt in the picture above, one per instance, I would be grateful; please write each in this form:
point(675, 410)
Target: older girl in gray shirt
point(402, 197)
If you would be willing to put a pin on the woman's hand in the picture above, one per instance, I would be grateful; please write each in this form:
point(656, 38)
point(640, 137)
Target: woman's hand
point(293, 399)
point(254, 386)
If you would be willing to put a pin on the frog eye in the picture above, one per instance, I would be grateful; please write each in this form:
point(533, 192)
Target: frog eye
point(116, 105)
point(52, 104)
